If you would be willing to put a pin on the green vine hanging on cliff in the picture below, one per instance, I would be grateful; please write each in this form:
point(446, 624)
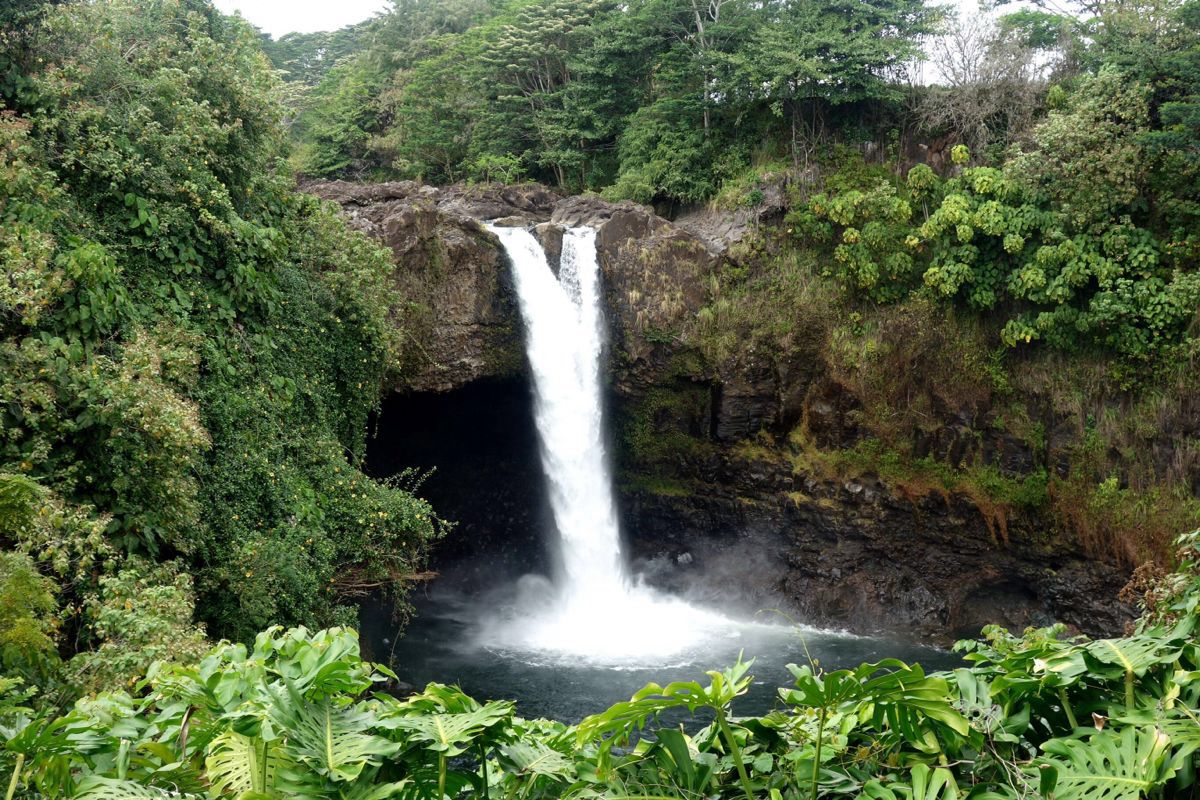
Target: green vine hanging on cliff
point(189, 348)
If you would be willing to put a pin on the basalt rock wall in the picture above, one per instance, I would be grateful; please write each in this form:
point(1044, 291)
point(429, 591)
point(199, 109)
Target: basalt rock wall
point(459, 315)
point(742, 523)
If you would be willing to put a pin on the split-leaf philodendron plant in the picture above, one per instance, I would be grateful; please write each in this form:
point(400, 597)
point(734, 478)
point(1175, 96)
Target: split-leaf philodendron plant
point(301, 715)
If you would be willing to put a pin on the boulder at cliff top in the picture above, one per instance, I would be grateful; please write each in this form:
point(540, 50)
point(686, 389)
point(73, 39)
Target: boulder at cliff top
point(461, 321)
point(532, 201)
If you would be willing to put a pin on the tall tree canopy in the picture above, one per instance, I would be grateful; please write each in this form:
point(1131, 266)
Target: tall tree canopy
point(657, 96)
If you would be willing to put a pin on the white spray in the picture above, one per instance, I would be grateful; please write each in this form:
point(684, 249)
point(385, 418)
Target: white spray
point(595, 612)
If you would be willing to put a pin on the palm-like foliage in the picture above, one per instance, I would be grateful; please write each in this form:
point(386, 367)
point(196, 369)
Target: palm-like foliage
point(292, 717)
point(1105, 766)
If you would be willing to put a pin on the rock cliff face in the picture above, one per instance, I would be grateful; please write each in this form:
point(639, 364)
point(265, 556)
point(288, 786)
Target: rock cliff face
point(733, 513)
point(858, 555)
point(461, 320)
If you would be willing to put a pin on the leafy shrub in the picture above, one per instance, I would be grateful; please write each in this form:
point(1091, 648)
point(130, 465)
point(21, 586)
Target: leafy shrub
point(28, 620)
point(1055, 239)
point(501, 168)
point(1036, 715)
point(140, 615)
point(189, 348)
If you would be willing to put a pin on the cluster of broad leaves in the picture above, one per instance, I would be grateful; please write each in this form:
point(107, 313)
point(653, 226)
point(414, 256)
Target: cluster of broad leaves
point(295, 716)
point(1072, 240)
point(189, 347)
point(1081, 234)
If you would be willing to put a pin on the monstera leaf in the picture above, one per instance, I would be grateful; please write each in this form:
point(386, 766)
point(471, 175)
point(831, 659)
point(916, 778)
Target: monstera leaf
point(452, 734)
point(1184, 733)
point(923, 784)
point(244, 766)
point(891, 693)
point(335, 742)
point(532, 757)
point(622, 719)
point(366, 790)
point(1135, 654)
point(1106, 766)
point(927, 784)
point(318, 664)
point(96, 788)
point(1181, 725)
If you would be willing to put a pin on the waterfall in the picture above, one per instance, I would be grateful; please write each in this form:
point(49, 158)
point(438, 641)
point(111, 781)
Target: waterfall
point(593, 610)
point(564, 340)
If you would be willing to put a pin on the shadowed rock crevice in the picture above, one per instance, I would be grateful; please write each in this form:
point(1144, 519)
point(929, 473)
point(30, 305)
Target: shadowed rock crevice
point(481, 445)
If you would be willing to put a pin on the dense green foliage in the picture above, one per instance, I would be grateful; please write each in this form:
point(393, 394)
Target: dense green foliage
point(1060, 238)
point(662, 98)
point(1039, 715)
point(189, 351)
point(1084, 235)
point(1076, 220)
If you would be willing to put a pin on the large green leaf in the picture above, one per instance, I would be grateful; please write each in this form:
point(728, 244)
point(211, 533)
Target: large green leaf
point(531, 757)
point(334, 742)
point(686, 770)
point(1181, 725)
point(1105, 766)
point(97, 788)
point(622, 719)
point(922, 784)
point(1135, 654)
point(364, 790)
point(319, 664)
point(892, 694)
point(240, 765)
point(450, 734)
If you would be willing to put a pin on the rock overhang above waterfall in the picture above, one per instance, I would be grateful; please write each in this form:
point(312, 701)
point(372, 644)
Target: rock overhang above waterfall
point(462, 310)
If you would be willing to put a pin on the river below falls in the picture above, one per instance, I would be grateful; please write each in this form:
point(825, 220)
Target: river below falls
point(442, 644)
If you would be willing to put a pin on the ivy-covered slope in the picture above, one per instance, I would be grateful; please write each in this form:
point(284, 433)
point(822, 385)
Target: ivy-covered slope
point(189, 348)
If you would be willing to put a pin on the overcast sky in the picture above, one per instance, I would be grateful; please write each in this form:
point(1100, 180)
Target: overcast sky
point(278, 17)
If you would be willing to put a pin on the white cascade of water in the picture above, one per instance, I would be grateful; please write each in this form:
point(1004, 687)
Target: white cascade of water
point(595, 611)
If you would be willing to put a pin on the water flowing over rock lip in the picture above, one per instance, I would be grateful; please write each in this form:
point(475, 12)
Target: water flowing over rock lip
point(593, 612)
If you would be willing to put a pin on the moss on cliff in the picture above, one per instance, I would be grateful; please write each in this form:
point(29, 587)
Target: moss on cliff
point(925, 399)
point(667, 423)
